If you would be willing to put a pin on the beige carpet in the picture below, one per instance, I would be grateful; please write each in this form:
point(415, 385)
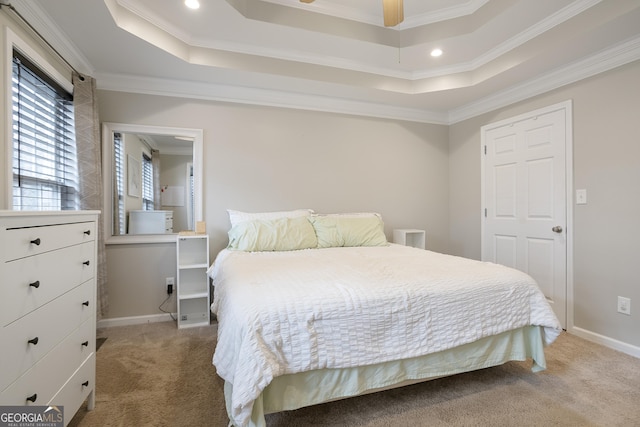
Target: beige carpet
point(156, 375)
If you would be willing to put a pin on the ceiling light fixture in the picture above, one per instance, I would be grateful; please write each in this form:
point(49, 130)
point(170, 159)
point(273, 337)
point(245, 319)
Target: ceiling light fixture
point(192, 4)
point(436, 52)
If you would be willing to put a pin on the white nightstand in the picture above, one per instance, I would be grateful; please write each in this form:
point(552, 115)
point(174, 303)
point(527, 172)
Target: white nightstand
point(409, 237)
point(193, 283)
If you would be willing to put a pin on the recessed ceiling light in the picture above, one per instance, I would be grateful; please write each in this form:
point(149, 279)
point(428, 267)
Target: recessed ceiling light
point(436, 52)
point(192, 4)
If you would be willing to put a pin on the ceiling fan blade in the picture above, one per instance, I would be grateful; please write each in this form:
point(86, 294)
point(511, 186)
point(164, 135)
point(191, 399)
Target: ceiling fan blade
point(393, 11)
point(306, 1)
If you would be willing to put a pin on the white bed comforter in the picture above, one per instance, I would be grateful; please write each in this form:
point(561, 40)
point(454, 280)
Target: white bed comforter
point(288, 312)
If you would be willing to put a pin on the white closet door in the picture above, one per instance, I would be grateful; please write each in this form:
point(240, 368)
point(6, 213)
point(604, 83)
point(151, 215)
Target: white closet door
point(525, 199)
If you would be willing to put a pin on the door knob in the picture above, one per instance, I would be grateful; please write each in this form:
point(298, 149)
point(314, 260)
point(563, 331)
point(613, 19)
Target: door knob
point(557, 229)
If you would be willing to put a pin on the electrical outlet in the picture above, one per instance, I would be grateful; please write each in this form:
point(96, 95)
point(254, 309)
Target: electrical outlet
point(624, 305)
point(183, 317)
point(169, 283)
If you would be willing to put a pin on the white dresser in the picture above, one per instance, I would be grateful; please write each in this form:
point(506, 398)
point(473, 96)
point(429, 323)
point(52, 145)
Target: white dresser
point(48, 308)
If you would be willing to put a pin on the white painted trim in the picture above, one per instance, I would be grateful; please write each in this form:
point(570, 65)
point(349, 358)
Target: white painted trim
point(36, 17)
point(600, 62)
point(16, 42)
point(108, 130)
point(603, 61)
point(612, 343)
point(8, 118)
point(567, 106)
point(135, 320)
point(264, 97)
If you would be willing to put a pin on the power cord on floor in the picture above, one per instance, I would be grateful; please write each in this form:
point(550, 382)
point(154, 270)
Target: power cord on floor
point(165, 311)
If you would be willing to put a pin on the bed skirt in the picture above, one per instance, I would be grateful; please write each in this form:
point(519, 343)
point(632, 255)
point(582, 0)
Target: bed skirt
point(293, 391)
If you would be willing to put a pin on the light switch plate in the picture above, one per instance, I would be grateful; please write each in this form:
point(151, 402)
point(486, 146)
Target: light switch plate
point(581, 197)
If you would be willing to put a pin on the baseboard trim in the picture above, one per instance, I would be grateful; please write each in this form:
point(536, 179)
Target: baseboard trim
point(629, 349)
point(134, 320)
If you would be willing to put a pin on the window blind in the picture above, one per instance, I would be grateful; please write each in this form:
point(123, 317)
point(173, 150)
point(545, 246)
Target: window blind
point(147, 183)
point(118, 184)
point(45, 166)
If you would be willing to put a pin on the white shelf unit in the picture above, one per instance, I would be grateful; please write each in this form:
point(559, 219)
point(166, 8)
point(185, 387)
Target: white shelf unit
point(192, 282)
point(409, 237)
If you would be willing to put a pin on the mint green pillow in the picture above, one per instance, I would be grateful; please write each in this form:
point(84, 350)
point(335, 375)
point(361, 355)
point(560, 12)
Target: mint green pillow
point(282, 234)
point(345, 230)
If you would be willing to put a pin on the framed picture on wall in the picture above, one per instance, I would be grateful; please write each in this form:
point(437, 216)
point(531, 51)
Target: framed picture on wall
point(134, 187)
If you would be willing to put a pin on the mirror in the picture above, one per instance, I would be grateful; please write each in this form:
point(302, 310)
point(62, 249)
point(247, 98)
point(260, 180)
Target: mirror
point(152, 182)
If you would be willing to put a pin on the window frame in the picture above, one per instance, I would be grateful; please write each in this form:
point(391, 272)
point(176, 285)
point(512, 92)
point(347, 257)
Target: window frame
point(15, 42)
point(45, 166)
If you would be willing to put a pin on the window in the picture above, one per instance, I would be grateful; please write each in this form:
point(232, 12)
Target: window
point(45, 167)
point(118, 183)
point(147, 183)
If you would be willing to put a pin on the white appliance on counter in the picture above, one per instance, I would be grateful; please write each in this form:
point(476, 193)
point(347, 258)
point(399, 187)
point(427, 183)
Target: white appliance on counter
point(150, 222)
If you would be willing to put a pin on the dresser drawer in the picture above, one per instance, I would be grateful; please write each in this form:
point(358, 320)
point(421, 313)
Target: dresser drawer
point(76, 390)
point(46, 327)
point(44, 379)
point(22, 242)
point(29, 283)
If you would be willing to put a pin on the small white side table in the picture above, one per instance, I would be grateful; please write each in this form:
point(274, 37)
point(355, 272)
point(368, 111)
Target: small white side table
point(409, 237)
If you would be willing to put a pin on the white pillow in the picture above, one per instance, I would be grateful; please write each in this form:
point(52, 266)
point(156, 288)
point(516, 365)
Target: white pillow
point(236, 217)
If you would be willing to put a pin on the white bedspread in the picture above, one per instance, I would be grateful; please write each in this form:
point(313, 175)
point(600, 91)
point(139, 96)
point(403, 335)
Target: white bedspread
point(288, 312)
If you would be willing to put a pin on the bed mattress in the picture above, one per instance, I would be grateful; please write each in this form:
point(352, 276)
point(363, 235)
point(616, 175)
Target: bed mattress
point(282, 313)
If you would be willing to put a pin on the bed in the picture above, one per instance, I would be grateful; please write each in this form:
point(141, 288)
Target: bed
point(314, 308)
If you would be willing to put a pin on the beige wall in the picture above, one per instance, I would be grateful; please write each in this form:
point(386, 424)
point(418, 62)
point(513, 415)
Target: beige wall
point(416, 175)
point(606, 127)
point(261, 159)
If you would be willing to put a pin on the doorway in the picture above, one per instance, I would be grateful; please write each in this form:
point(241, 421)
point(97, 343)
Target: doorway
point(527, 199)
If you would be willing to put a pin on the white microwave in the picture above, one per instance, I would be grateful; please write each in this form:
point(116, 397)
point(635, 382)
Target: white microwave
point(150, 222)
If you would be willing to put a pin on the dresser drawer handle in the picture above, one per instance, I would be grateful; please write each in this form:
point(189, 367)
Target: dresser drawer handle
point(85, 384)
point(87, 262)
point(85, 343)
point(36, 242)
point(86, 303)
point(33, 341)
point(35, 284)
point(88, 232)
point(33, 397)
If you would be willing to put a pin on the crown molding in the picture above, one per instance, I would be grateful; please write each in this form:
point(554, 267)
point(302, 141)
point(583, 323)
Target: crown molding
point(50, 32)
point(605, 60)
point(263, 97)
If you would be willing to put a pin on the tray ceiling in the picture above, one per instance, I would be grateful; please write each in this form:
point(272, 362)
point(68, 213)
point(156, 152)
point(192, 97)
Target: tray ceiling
point(336, 55)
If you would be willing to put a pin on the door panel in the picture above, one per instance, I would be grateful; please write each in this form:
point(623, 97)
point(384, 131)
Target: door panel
point(525, 196)
point(506, 250)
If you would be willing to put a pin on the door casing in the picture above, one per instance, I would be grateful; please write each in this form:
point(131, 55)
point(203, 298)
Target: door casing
point(565, 106)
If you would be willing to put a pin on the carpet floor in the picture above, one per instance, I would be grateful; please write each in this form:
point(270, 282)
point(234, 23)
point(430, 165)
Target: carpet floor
point(157, 375)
